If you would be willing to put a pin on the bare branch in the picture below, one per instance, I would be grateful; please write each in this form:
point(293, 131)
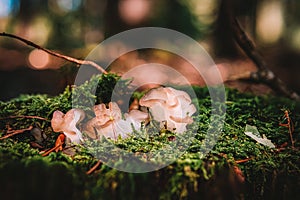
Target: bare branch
point(51, 150)
point(15, 132)
point(67, 58)
point(94, 167)
point(25, 116)
point(264, 74)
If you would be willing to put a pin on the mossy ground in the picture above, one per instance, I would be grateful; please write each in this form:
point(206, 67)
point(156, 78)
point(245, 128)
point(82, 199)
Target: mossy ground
point(269, 173)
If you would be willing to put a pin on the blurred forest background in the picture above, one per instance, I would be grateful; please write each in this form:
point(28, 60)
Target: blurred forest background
point(75, 27)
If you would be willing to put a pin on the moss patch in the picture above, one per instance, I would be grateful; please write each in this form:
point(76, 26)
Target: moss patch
point(269, 173)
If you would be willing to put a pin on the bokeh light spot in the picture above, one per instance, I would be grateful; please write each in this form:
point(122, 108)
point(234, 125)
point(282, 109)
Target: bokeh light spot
point(270, 22)
point(7, 7)
point(134, 11)
point(69, 5)
point(38, 59)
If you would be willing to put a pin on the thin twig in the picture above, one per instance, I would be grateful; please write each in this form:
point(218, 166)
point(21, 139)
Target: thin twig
point(263, 74)
point(58, 145)
point(51, 150)
point(94, 167)
point(67, 58)
point(242, 161)
point(15, 132)
point(25, 116)
point(289, 125)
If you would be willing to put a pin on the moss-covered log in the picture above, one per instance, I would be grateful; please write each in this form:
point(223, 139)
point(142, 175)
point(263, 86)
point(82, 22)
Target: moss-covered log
point(272, 173)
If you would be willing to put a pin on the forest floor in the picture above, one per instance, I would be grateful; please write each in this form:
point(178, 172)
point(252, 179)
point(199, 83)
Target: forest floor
point(236, 167)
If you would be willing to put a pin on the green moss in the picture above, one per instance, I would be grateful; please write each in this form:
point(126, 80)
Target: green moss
point(268, 174)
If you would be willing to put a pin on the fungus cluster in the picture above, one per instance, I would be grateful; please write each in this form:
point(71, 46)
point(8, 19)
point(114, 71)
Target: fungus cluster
point(170, 107)
point(110, 123)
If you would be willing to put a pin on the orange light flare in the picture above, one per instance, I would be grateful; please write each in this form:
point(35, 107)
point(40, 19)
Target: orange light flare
point(40, 60)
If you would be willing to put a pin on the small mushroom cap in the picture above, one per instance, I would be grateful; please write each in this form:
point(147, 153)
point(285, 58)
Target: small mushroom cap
point(67, 123)
point(109, 122)
point(57, 120)
point(104, 114)
point(164, 95)
point(169, 105)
